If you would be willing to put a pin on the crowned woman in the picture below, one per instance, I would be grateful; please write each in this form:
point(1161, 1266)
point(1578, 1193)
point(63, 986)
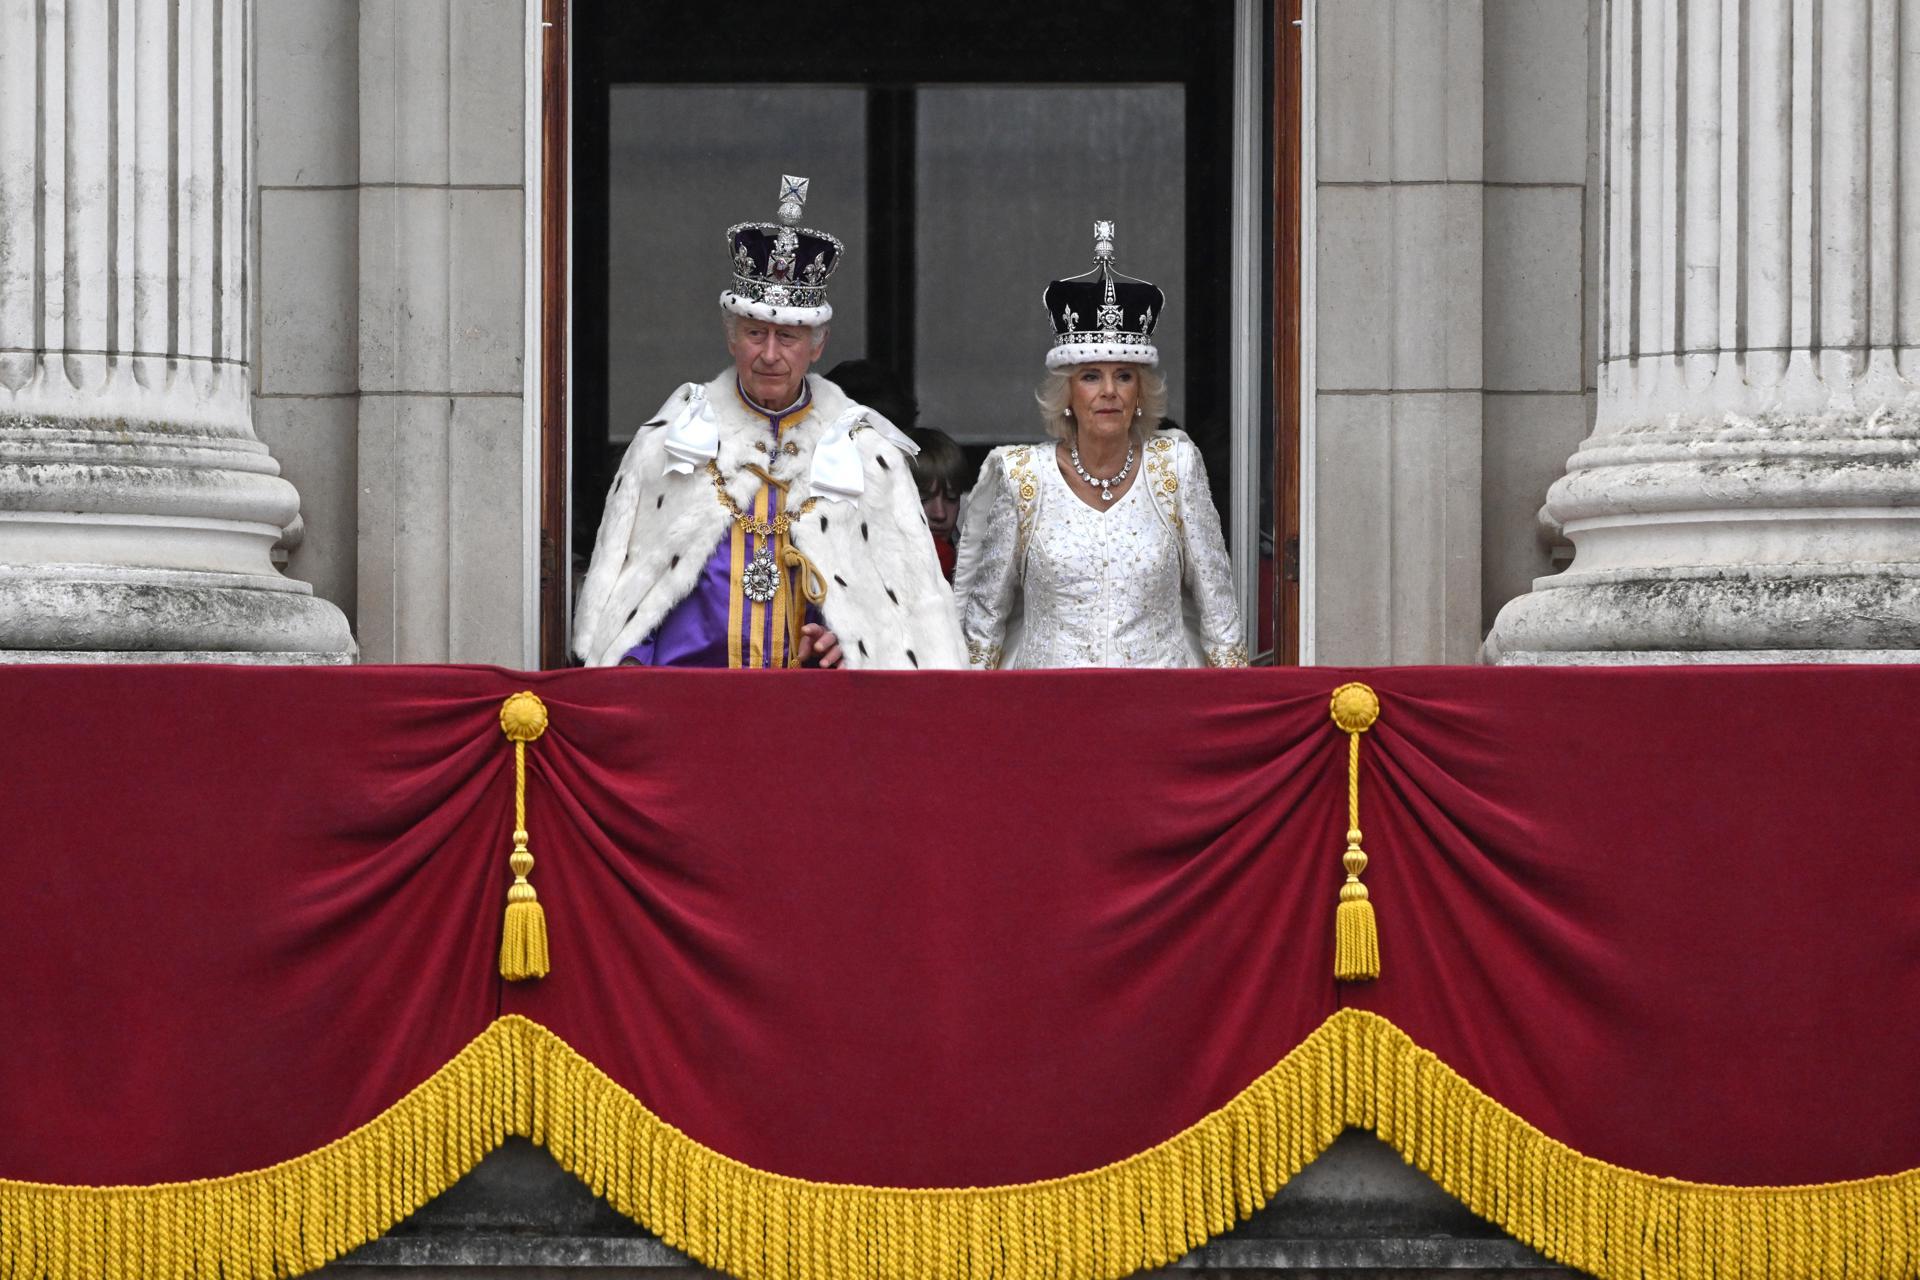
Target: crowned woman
point(763, 518)
point(1093, 550)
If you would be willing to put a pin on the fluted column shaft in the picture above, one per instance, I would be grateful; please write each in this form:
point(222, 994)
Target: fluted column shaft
point(123, 193)
point(1752, 484)
point(1760, 185)
point(138, 511)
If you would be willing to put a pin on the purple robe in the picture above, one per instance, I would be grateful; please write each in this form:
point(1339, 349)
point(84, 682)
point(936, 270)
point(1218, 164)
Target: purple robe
point(717, 624)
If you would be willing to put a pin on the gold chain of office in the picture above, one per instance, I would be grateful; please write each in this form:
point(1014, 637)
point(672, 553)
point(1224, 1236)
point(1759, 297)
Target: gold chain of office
point(759, 528)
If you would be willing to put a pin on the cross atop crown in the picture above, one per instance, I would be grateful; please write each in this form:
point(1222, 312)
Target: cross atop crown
point(793, 194)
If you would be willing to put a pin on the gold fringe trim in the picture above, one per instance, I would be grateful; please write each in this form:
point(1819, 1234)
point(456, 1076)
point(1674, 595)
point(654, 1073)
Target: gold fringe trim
point(288, 1218)
point(1357, 1070)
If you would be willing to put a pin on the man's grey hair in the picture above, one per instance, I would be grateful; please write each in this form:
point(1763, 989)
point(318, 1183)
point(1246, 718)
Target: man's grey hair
point(733, 320)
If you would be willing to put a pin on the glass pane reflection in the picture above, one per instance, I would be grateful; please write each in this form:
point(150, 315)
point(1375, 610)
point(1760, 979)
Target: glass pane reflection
point(684, 164)
point(1010, 182)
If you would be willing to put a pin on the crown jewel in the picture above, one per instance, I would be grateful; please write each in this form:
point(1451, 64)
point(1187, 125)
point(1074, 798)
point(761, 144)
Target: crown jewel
point(781, 269)
point(1123, 311)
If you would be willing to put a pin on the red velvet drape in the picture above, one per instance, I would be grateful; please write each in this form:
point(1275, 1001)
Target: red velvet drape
point(955, 929)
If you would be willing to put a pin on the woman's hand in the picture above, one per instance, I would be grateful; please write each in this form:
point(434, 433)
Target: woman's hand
point(819, 647)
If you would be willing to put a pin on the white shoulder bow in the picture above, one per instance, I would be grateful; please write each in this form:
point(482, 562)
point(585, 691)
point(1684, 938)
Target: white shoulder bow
point(838, 473)
point(693, 437)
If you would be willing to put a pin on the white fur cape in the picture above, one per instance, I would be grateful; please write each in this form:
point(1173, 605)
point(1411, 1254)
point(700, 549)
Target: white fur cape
point(886, 599)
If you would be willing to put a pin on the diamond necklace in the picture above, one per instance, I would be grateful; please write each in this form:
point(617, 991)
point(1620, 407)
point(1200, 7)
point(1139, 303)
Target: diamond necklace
point(1105, 486)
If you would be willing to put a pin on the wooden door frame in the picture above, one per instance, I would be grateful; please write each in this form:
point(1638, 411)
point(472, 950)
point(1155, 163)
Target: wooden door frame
point(1288, 212)
point(555, 303)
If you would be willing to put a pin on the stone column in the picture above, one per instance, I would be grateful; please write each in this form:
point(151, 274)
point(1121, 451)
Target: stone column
point(1751, 488)
point(138, 511)
point(444, 556)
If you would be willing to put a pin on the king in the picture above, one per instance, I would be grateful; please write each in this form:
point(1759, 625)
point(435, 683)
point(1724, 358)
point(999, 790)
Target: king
point(765, 519)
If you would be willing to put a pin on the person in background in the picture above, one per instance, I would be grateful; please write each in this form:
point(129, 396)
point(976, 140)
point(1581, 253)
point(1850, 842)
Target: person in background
point(941, 471)
point(878, 387)
point(1090, 551)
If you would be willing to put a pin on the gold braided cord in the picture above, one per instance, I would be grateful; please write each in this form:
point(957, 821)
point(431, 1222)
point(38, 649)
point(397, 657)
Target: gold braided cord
point(809, 588)
point(1357, 1070)
point(519, 786)
point(1353, 781)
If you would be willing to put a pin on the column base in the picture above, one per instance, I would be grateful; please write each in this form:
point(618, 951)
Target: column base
point(1860, 612)
point(105, 613)
point(225, 657)
point(1700, 657)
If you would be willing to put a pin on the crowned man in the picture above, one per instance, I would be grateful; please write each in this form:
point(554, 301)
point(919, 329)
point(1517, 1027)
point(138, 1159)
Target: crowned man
point(764, 519)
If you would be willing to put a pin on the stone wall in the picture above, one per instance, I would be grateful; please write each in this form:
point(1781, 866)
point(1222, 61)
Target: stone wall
point(391, 335)
point(1398, 373)
point(1542, 265)
point(1358, 1209)
point(1453, 365)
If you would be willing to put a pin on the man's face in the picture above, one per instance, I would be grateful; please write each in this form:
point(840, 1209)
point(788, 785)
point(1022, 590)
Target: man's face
point(772, 360)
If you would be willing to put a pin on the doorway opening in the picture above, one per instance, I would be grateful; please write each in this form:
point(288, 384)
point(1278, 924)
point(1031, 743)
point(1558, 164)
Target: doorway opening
point(963, 153)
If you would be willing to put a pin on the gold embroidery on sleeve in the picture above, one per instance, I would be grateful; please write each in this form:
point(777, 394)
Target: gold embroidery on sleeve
point(1229, 655)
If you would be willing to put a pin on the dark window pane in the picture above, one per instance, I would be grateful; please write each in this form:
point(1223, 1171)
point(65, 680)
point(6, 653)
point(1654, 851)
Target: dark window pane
point(684, 164)
point(1011, 181)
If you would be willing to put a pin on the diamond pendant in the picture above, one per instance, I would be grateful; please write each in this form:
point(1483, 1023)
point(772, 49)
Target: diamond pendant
point(1106, 495)
point(761, 578)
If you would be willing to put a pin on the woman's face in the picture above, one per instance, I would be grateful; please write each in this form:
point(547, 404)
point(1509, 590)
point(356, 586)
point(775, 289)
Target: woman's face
point(1105, 397)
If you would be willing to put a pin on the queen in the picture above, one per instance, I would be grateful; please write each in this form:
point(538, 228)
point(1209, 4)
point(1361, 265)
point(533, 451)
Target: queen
point(1093, 549)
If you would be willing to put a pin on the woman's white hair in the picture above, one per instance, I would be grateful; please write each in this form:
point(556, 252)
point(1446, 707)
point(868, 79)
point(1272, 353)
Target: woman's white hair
point(733, 320)
point(1056, 393)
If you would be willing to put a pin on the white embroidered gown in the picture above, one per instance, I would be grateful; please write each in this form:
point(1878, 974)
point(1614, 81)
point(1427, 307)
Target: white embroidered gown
point(1045, 580)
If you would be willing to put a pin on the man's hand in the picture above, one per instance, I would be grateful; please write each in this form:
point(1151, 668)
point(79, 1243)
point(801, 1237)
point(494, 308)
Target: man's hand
point(819, 647)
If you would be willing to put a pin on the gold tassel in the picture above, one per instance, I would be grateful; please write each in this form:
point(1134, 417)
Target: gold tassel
point(523, 938)
point(1356, 939)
